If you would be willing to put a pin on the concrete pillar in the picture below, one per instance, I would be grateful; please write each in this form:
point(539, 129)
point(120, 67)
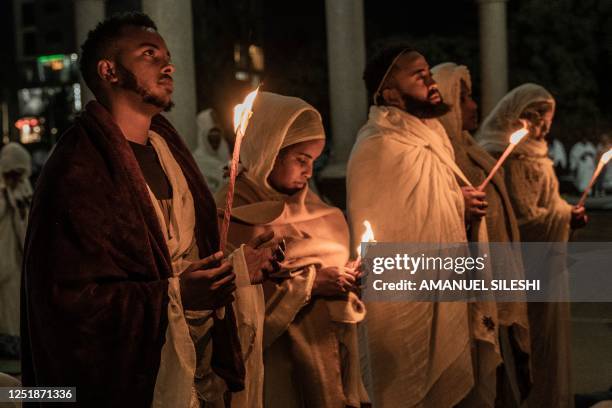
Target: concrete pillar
point(493, 53)
point(346, 61)
point(87, 14)
point(174, 23)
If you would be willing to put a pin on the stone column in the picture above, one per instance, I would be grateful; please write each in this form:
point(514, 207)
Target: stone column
point(87, 14)
point(174, 23)
point(493, 53)
point(346, 61)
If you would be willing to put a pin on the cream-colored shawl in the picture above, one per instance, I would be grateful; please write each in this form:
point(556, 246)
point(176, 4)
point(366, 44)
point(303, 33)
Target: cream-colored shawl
point(502, 225)
point(542, 216)
point(310, 345)
point(402, 177)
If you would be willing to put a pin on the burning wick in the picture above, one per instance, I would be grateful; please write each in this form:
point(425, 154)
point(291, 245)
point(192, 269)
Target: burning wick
point(602, 163)
point(515, 139)
point(367, 236)
point(242, 114)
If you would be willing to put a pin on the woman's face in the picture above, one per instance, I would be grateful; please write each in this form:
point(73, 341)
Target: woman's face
point(539, 116)
point(293, 166)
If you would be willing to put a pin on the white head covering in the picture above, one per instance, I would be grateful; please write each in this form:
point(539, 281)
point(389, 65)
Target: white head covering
point(448, 76)
point(209, 160)
point(496, 129)
point(278, 121)
point(13, 156)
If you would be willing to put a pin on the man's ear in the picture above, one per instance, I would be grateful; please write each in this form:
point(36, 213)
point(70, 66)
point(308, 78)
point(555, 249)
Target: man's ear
point(106, 71)
point(392, 97)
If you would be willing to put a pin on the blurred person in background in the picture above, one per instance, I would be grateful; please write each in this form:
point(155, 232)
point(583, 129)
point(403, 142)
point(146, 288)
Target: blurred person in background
point(212, 152)
point(15, 197)
point(557, 153)
point(582, 163)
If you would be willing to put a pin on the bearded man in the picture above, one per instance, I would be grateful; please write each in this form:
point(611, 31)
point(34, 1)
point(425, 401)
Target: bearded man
point(422, 354)
point(122, 270)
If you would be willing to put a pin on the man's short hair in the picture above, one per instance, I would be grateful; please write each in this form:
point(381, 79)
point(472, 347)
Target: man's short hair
point(99, 42)
point(379, 66)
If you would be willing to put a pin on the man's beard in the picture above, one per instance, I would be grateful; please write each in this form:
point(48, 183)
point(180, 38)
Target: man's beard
point(424, 109)
point(129, 82)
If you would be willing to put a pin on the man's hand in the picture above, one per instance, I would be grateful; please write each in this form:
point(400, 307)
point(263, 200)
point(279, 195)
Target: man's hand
point(475, 204)
point(579, 217)
point(204, 287)
point(335, 281)
point(261, 261)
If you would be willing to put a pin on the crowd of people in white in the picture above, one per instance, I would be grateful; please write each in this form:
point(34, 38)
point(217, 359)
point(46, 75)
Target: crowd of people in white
point(579, 167)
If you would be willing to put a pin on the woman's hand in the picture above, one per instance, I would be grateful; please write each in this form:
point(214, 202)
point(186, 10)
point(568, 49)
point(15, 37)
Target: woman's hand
point(579, 217)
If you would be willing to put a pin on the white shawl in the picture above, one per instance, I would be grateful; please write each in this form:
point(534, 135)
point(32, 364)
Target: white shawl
point(402, 177)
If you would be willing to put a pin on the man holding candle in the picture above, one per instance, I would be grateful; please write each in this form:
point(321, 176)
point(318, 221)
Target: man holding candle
point(122, 268)
point(543, 216)
point(444, 354)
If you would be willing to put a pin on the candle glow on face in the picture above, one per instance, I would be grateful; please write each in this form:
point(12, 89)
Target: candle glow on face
point(242, 112)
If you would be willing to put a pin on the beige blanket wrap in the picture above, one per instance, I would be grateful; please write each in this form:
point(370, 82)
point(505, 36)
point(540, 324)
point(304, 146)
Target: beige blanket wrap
point(402, 177)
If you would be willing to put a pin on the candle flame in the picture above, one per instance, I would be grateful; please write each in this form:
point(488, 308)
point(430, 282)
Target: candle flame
point(367, 236)
point(517, 136)
point(242, 112)
point(605, 158)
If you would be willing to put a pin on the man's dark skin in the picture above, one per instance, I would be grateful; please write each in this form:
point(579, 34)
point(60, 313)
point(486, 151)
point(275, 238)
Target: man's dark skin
point(134, 85)
point(410, 85)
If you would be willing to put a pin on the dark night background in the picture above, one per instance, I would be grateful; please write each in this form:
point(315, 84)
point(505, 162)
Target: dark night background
point(564, 45)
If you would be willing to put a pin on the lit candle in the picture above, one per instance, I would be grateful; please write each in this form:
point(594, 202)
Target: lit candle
point(367, 236)
point(515, 139)
point(242, 114)
point(602, 163)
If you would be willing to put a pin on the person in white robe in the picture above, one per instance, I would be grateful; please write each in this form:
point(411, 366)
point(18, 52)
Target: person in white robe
point(582, 163)
point(15, 198)
point(402, 177)
point(212, 153)
point(298, 329)
point(455, 85)
point(543, 216)
point(556, 152)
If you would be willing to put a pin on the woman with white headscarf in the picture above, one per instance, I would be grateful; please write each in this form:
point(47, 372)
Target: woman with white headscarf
point(212, 152)
point(455, 85)
point(309, 334)
point(542, 216)
point(15, 197)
